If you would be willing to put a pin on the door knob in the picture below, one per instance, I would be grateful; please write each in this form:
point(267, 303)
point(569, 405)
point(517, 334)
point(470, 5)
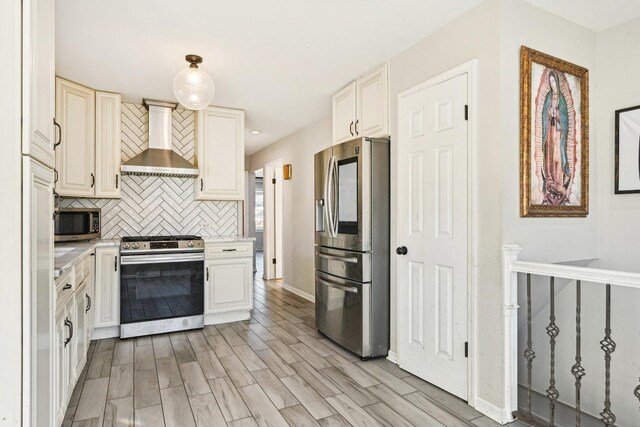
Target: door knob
point(401, 250)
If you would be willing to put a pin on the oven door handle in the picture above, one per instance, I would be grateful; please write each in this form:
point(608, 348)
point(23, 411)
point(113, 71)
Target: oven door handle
point(160, 259)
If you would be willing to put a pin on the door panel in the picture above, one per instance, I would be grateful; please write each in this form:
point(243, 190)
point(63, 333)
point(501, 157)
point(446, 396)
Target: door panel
point(341, 306)
point(372, 102)
point(321, 169)
point(344, 114)
point(108, 145)
point(432, 224)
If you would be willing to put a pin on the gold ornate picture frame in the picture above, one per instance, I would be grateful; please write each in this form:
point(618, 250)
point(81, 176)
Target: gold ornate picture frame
point(554, 136)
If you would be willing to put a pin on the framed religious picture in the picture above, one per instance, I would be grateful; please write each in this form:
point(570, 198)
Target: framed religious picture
point(554, 136)
point(628, 150)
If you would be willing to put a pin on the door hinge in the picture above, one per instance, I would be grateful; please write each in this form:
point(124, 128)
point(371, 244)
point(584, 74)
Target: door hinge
point(273, 180)
point(466, 349)
point(274, 260)
point(466, 112)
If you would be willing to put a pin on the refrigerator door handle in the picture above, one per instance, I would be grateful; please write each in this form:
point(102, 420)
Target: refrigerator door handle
point(328, 196)
point(351, 289)
point(352, 260)
point(334, 202)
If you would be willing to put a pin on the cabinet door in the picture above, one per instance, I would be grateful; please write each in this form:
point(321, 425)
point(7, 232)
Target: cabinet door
point(39, 288)
point(89, 314)
point(372, 102)
point(79, 330)
point(107, 300)
point(38, 77)
point(344, 114)
point(108, 107)
point(229, 285)
point(220, 154)
point(75, 112)
point(70, 360)
point(59, 374)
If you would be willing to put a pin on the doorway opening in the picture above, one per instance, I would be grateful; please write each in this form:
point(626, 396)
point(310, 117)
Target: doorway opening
point(258, 207)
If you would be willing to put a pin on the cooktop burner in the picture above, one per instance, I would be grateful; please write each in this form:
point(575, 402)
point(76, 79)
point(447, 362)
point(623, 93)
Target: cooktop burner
point(160, 238)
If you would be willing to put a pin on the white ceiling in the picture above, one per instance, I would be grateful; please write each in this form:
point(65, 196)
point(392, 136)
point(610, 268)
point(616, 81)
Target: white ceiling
point(596, 15)
point(280, 60)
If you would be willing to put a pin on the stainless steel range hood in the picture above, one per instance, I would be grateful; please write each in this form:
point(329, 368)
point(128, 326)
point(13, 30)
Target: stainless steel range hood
point(159, 159)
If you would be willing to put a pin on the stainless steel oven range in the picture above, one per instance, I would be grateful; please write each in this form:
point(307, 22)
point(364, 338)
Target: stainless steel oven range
point(161, 284)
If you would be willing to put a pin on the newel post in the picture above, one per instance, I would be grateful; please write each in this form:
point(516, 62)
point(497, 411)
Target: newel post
point(510, 303)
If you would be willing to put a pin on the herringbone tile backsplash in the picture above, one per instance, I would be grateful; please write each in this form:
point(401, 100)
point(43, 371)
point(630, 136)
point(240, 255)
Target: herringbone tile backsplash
point(152, 205)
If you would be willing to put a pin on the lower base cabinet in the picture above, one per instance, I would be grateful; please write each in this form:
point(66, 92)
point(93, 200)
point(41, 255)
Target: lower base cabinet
point(228, 281)
point(65, 373)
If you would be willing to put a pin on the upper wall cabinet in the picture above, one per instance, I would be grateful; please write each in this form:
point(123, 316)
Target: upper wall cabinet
point(108, 144)
point(362, 108)
point(88, 157)
point(220, 154)
point(38, 77)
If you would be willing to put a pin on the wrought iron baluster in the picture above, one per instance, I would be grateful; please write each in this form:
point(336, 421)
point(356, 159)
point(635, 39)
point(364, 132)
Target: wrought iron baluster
point(577, 370)
point(552, 331)
point(529, 354)
point(607, 345)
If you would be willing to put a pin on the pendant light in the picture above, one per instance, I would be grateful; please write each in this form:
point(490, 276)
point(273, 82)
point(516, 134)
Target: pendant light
point(192, 86)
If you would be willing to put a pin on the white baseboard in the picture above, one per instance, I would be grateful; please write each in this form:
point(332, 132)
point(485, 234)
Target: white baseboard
point(499, 415)
point(231, 316)
point(298, 292)
point(392, 357)
point(103, 333)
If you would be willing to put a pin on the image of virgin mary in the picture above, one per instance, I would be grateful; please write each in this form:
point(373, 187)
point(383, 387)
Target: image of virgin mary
point(556, 174)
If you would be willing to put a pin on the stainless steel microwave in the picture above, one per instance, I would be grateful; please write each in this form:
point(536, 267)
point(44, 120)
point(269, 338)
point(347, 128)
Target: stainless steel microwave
point(74, 224)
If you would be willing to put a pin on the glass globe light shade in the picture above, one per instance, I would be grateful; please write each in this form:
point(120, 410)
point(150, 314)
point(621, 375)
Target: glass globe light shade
point(193, 88)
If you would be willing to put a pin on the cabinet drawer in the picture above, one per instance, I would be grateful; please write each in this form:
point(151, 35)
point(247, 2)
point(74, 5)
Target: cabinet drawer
point(65, 286)
point(229, 250)
point(83, 269)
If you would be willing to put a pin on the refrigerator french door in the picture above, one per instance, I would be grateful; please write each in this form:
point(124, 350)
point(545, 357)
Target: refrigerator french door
point(352, 245)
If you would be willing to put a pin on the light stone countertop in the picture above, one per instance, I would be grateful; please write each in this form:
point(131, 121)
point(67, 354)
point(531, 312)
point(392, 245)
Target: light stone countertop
point(222, 239)
point(68, 254)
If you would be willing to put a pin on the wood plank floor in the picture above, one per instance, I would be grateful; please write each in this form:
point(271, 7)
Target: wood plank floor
point(272, 370)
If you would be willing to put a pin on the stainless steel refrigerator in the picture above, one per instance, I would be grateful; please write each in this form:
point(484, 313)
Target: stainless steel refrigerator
point(352, 245)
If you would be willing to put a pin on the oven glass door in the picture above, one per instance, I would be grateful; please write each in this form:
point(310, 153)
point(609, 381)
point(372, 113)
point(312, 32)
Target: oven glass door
point(155, 287)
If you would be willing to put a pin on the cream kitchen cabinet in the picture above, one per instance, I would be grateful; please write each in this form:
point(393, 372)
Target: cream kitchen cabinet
point(362, 107)
point(79, 342)
point(220, 156)
point(228, 293)
point(107, 291)
point(38, 71)
point(88, 157)
point(75, 156)
point(64, 357)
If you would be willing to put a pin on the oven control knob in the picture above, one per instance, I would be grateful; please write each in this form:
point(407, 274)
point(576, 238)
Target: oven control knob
point(125, 246)
point(135, 246)
point(190, 244)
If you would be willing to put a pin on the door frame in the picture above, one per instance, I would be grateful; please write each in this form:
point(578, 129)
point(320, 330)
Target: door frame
point(273, 210)
point(470, 70)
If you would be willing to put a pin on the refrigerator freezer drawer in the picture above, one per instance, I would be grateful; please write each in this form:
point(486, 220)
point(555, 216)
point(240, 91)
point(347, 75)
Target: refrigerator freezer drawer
point(342, 312)
point(354, 266)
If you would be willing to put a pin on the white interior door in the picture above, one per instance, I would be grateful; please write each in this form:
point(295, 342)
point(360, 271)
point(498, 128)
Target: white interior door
point(432, 226)
point(273, 199)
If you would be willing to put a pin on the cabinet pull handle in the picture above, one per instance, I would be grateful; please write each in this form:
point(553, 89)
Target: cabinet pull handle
point(351, 128)
point(115, 264)
point(56, 124)
point(116, 181)
point(356, 127)
point(55, 176)
point(69, 325)
point(207, 273)
point(93, 180)
point(201, 184)
point(86, 310)
point(66, 287)
point(229, 250)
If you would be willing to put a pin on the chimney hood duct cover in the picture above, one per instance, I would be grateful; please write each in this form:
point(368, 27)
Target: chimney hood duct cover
point(159, 159)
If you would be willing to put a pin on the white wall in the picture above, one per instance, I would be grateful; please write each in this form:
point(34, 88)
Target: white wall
point(474, 35)
point(618, 86)
point(543, 239)
point(298, 149)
